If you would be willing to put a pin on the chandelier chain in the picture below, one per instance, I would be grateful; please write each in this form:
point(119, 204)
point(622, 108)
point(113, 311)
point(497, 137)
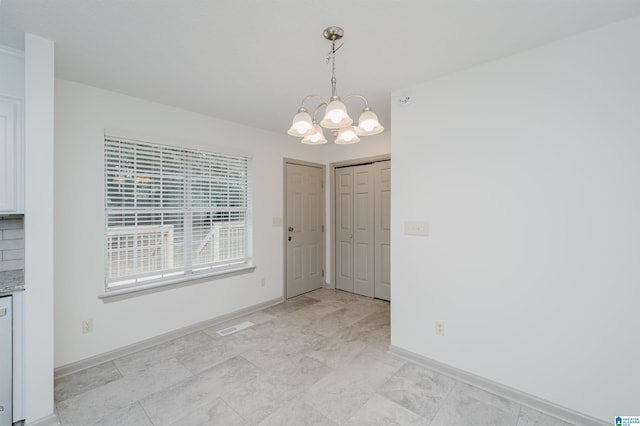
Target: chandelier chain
point(332, 56)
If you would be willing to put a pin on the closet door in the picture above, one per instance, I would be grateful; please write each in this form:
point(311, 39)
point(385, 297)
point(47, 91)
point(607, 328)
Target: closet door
point(344, 228)
point(382, 183)
point(363, 230)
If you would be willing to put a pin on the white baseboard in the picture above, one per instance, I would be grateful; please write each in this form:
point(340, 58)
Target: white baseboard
point(74, 367)
point(50, 420)
point(515, 395)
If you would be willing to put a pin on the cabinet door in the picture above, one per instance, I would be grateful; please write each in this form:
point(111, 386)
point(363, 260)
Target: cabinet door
point(6, 347)
point(10, 155)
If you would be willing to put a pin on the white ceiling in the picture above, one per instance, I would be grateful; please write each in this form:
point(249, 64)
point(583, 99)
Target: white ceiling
point(252, 61)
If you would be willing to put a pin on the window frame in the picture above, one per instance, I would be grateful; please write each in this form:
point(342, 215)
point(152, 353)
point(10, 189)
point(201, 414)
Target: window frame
point(192, 271)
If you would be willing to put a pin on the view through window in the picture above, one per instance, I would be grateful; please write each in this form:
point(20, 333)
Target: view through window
point(172, 213)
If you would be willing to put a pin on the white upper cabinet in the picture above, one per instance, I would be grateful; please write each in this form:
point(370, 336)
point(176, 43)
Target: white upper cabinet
point(11, 131)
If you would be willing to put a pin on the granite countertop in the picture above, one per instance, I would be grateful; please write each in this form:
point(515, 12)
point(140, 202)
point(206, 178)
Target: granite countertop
point(11, 281)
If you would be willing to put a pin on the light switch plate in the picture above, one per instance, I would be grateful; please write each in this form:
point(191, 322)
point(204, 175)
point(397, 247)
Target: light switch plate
point(416, 228)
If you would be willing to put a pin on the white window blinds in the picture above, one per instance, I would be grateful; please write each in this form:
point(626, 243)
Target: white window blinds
point(172, 212)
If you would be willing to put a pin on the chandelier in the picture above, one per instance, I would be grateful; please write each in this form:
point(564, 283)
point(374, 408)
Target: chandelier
point(336, 119)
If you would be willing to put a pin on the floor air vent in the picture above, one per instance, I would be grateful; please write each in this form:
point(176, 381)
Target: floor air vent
point(235, 328)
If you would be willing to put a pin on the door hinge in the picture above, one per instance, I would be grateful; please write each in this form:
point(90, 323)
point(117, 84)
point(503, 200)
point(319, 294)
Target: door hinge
point(323, 272)
point(322, 228)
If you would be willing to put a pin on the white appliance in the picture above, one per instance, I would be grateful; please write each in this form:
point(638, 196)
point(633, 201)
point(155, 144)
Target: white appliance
point(6, 361)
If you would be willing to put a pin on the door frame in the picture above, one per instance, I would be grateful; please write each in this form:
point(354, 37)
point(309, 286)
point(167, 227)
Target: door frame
point(286, 161)
point(332, 204)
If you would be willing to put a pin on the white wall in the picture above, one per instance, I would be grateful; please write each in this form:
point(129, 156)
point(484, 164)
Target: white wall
point(39, 266)
point(369, 146)
point(82, 114)
point(528, 170)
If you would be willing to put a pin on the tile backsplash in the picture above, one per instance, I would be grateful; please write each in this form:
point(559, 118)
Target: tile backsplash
point(11, 243)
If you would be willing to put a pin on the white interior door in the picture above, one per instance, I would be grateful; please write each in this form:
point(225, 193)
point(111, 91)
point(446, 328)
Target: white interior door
point(344, 228)
point(382, 215)
point(304, 229)
point(363, 230)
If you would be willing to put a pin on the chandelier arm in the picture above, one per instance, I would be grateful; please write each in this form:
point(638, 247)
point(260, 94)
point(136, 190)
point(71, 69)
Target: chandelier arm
point(366, 104)
point(306, 98)
point(315, 111)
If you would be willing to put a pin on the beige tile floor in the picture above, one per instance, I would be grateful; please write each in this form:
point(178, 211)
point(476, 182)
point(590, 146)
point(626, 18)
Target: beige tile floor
point(317, 359)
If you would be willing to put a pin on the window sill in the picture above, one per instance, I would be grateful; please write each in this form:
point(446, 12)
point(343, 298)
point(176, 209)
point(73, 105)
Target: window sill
point(126, 293)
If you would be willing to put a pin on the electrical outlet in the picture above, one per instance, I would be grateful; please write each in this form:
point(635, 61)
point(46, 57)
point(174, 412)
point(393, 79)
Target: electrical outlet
point(263, 282)
point(439, 328)
point(87, 326)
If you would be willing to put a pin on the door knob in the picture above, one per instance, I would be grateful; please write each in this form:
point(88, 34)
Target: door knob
point(291, 229)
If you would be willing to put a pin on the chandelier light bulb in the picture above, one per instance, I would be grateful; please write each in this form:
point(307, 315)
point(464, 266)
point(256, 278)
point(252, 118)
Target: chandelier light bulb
point(302, 124)
point(301, 127)
point(336, 117)
point(368, 123)
point(316, 137)
point(347, 135)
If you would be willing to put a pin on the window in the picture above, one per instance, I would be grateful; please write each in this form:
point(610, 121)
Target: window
point(172, 213)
